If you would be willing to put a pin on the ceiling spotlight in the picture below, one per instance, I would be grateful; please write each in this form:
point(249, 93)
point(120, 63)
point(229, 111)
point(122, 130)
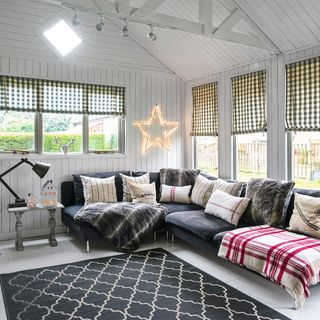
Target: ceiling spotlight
point(124, 29)
point(151, 35)
point(75, 20)
point(100, 25)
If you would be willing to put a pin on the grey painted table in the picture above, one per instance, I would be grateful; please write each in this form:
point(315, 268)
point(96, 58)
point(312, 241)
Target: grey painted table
point(18, 212)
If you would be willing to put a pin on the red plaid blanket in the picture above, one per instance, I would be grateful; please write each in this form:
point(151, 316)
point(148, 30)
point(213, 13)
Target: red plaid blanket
point(286, 258)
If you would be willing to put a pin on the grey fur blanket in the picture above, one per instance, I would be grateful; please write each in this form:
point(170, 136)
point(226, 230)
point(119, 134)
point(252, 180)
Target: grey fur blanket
point(123, 224)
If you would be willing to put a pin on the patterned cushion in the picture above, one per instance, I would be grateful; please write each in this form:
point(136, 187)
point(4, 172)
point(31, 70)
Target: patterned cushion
point(143, 193)
point(226, 206)
point(268, 198)
point(306, 215)
point(175, 194)
point(125, 179)
point(178, 177)
point(233, 188)
point(202, 190)
point(99, 190)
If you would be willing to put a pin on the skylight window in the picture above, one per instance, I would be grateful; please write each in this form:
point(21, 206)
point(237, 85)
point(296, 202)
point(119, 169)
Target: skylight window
point(63, 38)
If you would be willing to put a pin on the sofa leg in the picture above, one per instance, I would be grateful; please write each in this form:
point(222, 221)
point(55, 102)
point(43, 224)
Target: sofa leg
point(88, 246)
point(167, 233)
point(155, 235)
point(68, 231)
point(172, 238)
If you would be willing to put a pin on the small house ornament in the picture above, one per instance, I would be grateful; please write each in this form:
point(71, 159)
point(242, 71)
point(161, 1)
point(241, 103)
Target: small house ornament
point(32, 200)
point(49, 194)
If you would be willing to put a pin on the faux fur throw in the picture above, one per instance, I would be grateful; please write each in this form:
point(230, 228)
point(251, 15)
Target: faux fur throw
point(178, 177)
point(268, 198)
point(123, 224)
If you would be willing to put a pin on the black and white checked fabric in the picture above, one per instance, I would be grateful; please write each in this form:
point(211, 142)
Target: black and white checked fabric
point(249, 103)
point(148, 285)
point(35, 95)
point(303, 95)
point(205, 110)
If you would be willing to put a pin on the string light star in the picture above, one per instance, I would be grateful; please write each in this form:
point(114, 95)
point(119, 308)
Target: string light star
point(156, 120)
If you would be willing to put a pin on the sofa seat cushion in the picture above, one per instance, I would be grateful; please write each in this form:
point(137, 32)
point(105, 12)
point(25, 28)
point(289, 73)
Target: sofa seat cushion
point(72, 210)
point(199, 223)
point(177, 207)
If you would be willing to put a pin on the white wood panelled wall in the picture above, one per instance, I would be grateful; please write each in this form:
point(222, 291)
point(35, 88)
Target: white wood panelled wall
point(143, 91)
point(277, 151)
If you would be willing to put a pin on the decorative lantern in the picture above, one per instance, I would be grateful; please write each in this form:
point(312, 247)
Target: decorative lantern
point(32, 200)
point(49, 194)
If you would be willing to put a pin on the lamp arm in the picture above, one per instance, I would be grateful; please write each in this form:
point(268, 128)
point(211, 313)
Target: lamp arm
point(8, 187)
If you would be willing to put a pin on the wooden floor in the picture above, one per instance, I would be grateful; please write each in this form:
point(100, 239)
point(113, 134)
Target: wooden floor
point(38, 253)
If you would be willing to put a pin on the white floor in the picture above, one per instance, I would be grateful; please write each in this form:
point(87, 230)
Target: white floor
point(38, 253)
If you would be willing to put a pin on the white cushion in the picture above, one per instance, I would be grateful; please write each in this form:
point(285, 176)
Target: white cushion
point(143, 193)
point(202, 190)
point(226, 206)
point(99, 190)
point(233, 188)
point(175, 194)
point(306, 215)
point(126, 179)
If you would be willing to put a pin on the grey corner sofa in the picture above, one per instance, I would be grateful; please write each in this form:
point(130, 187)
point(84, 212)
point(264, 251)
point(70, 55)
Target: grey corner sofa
point(188, 222)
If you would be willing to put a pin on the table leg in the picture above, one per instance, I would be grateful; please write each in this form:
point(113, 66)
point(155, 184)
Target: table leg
point(52, 224)
point(19, 241)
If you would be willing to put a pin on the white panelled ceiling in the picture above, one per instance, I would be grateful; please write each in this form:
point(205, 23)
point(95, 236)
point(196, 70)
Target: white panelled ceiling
point(289, 25)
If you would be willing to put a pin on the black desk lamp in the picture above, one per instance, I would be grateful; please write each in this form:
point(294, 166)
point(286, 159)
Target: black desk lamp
point(39, 168)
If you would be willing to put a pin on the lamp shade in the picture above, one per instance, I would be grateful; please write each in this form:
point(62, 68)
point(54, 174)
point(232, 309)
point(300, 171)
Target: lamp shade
point(41, 168)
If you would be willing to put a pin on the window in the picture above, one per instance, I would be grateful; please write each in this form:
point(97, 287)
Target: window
point(303, 121)
point(205, 127)
point(249, 125)
point(62, 110)
point(206, 154)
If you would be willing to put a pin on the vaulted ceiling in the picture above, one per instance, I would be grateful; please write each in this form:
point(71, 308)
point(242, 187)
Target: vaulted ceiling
point(205, 36)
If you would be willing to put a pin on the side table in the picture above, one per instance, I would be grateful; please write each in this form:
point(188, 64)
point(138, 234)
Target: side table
point(18, 212)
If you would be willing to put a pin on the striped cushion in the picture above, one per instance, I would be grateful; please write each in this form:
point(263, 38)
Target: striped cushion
point(143, 193)
point(175, 194)
point(99, 190)
point(226, 206)
point(126, 179)
point(202, 190)
point(233, 188)
point(306, 215)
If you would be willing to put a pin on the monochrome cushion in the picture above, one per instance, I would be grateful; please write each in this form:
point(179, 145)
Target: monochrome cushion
point(306, 215)
point(268, 199)
point(202, 190)
point(175, 194)
point(233, 188)
point(143, 193)
point(226, 207)
point(178, 177)
point(126, 179)
point(99, 190)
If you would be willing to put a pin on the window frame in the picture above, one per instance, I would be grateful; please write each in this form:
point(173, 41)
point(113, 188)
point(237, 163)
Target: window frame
point(38, 132)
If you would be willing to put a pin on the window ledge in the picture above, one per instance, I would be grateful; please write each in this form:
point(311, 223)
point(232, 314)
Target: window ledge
point(61, 156)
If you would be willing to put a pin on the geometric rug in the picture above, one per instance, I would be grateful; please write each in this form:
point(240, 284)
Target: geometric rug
point(145, 285)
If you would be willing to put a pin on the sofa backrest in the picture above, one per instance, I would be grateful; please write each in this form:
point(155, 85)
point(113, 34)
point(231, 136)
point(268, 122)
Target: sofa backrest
point(67, 194)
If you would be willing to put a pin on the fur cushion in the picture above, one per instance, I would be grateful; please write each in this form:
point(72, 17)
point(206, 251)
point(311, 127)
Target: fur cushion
point(268, 198)
point(178, 177)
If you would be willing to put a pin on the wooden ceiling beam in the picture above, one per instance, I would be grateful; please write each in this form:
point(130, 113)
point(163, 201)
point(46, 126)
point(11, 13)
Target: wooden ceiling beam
point(205, 16)
point(146, 9)
point(124, 7)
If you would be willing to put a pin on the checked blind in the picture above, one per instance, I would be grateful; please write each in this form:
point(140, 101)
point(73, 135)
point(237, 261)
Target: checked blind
point(249, 103)
point(205, 110)
point(303, 95)
point(35, 95)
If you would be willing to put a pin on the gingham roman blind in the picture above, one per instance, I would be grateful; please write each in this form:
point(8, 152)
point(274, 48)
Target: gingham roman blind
point(303, 95)
point(18, 94)
point(249, 103)
point(205, 110)
point(35, 95)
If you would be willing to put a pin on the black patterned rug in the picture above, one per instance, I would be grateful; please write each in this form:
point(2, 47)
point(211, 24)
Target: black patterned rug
point(140, 286)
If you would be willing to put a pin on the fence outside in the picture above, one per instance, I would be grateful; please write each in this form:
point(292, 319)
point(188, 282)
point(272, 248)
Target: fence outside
point(252, 158)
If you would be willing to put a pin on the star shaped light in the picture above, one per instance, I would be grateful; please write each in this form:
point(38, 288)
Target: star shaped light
point(156, 120)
